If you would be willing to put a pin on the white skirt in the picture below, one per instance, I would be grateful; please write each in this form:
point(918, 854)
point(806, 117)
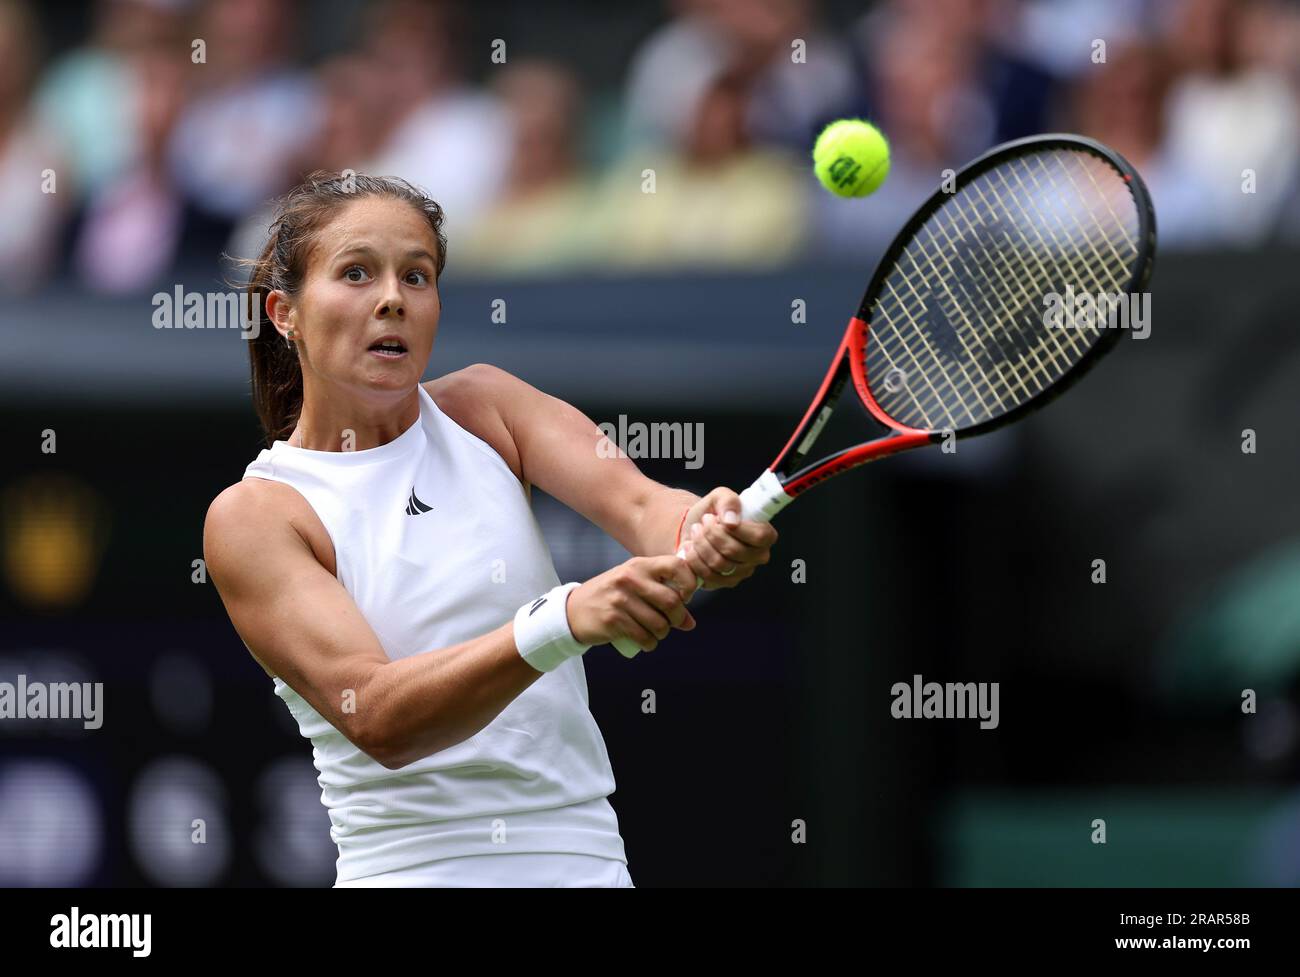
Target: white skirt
point(517, 870)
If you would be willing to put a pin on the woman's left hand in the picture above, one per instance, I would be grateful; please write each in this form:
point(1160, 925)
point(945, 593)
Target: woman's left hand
point(719, 547)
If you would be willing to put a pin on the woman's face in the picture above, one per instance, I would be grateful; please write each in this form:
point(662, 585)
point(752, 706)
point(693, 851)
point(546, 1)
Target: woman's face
point(370, 275)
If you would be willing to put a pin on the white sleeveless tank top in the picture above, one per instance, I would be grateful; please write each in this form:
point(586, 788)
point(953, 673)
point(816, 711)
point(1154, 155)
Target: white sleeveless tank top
point(436, 542)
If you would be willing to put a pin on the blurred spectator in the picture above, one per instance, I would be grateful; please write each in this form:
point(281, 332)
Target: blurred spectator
point(1059, 35)
point(29, 230)
point(442, 135)
point(1234, 110)
point(353, 119)
point(158, 157)
point(138, 226)
point(352, 124)
point(722, 202)
point(1121, 103)
point(787, 101)
point(935, 115)
point(85, 96)
point(252, 113)
point(543, 219)
point(1002, 94)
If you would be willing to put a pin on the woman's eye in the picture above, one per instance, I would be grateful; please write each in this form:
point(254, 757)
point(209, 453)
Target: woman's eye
point(423, 279)
point(356, 270)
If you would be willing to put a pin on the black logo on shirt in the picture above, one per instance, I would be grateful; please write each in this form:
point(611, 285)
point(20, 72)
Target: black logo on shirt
point(414, 506)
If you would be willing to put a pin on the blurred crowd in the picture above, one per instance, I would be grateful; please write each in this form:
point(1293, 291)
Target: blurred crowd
point(169, 129)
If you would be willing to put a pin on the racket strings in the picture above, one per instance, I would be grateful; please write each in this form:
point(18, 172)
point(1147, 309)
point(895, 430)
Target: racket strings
point(1034, 366)
point(1021, 367)
point(958, 331)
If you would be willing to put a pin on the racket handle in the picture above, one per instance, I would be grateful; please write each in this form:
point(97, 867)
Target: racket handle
point(764, 499)
point(758, 503)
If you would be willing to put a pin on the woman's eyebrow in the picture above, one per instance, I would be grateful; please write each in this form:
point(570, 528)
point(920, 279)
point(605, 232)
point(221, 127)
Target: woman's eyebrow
point(369, 251)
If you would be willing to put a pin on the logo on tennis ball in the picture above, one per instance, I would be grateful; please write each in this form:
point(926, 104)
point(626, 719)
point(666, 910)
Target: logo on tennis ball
point(844, 171)
point(851, 158)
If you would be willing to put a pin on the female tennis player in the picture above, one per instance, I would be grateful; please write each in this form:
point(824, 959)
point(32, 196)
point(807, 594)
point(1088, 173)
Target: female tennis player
point(382, 563)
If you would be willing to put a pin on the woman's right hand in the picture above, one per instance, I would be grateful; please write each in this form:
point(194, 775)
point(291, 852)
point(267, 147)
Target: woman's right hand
point(641, 599)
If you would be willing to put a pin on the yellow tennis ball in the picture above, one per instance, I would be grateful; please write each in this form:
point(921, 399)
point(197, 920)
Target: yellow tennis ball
point(851, 158)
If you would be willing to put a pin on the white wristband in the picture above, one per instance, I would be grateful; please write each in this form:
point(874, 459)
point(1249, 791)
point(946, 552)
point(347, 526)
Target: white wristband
point(542, 632)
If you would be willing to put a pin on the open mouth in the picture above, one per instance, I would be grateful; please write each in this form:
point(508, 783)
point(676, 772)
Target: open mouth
point(388, 347)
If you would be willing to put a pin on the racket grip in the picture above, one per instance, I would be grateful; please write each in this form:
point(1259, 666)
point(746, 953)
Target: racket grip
point(758, 503)
point(763, 499)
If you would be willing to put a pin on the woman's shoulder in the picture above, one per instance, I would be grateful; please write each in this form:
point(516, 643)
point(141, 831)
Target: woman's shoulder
point(481, 379)
point(478, 398)
point(252, 498)
point(249, 512)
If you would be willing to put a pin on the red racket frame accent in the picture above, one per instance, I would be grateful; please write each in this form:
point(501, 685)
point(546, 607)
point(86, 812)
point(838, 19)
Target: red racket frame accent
point(900, 438)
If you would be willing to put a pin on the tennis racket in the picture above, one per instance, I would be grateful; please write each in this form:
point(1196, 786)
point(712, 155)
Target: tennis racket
point(952, 338)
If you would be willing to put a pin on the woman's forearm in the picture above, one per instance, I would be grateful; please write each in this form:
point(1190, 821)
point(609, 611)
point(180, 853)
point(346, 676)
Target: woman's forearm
point(434, 701)
point(657, 528)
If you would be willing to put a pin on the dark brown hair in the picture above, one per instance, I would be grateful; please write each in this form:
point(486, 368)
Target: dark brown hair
point(299, 216)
